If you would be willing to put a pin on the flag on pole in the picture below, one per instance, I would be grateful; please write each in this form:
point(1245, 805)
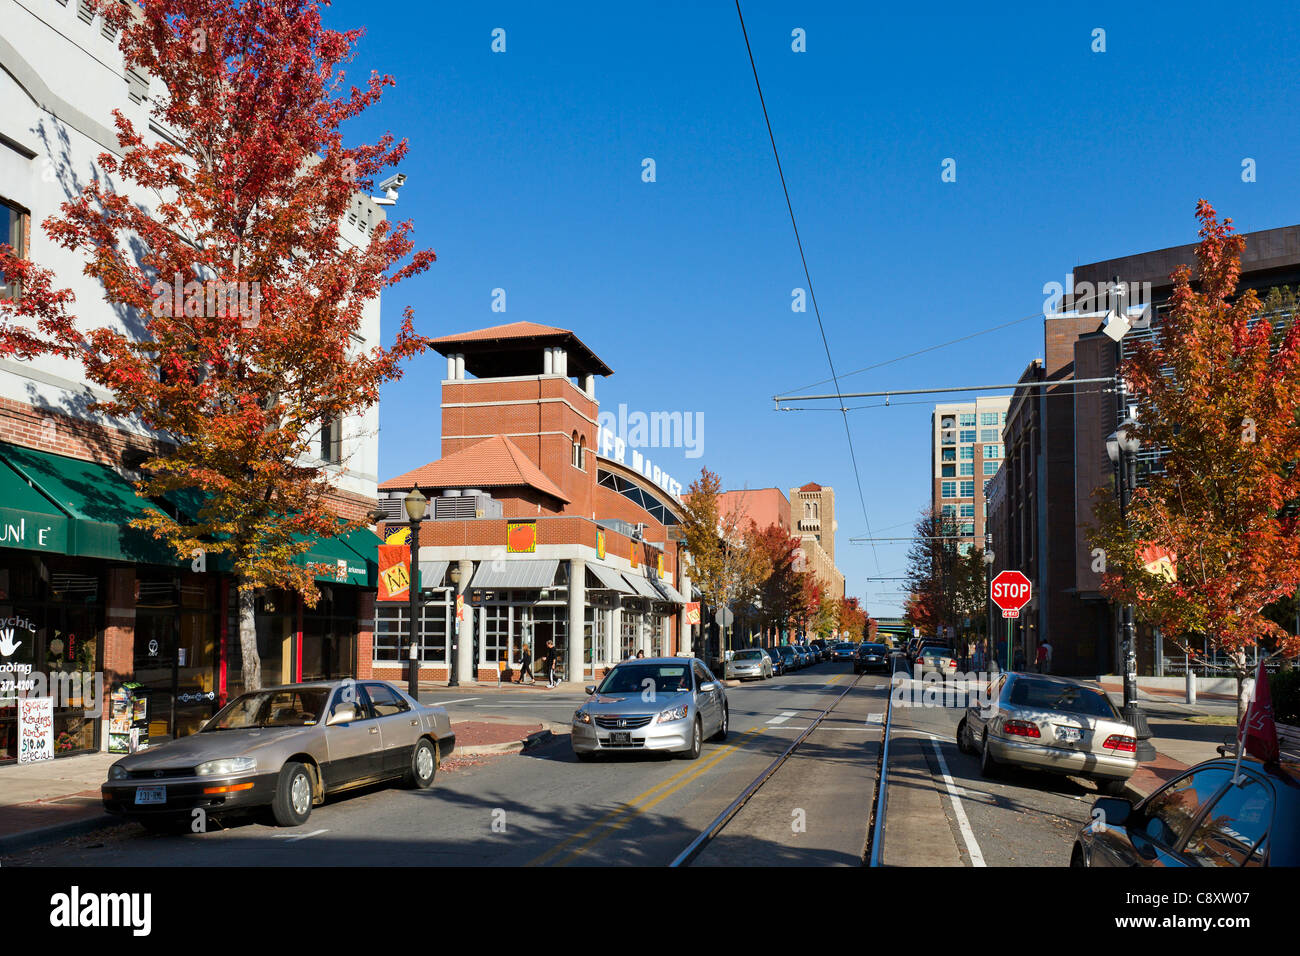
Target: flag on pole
point(1258, 732)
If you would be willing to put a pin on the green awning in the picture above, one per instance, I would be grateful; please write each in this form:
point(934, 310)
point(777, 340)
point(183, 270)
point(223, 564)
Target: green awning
point(99, 502)
point(27, 518)
point(353, 558)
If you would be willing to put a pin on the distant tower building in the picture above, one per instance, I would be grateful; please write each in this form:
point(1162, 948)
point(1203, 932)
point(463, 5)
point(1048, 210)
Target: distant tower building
point(966, 450)
point(812, 512)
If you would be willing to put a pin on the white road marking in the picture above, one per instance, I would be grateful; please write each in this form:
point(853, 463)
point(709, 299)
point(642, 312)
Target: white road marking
point(785, 715)
point(295, 837)
point(963, 824)
point(875, 718)
point(458, 700)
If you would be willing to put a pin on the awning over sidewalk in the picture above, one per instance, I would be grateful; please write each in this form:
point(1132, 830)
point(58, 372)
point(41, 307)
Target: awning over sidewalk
point(610, 579)
point(670, 593)
point(432, 572)
point(353, 558)
point(642, 587)
point(502, 575)
point(27, 518)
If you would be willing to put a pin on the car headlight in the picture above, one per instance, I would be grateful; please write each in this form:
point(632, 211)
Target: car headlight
point(676, 713)
point(581, 717)
point(117, 773)
point(226, 766)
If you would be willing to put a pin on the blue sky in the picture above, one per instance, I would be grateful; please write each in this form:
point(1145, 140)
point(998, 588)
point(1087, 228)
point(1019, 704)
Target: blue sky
point(525, 174)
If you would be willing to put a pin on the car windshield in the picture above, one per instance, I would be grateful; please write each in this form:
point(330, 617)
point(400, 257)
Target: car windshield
point(1048, 695)
point(932, 651)
point(874, 648)
point(748, 656)
point(271, 708)
point(844, 647)
point(632, 678)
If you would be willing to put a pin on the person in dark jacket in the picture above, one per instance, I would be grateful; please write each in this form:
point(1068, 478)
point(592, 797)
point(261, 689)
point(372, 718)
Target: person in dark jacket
point(526, 665)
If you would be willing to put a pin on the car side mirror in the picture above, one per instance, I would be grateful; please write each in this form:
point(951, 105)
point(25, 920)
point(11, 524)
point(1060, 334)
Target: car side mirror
point(343, 714)
point(590, 689)
point(708, 686)
point(1112, 811)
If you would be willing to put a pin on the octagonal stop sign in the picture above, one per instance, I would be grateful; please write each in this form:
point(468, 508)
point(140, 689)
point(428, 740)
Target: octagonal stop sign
point(1010, 591)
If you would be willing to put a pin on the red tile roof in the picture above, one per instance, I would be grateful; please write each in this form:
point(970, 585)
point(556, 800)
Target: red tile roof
point(495, 462)
point(811, 486)
point(513, 330)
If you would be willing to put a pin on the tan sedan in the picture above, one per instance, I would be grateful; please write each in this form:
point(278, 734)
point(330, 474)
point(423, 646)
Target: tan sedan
point(1050, 723)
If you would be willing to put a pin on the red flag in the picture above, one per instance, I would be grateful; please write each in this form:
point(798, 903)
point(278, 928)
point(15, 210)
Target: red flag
point(1257, 730)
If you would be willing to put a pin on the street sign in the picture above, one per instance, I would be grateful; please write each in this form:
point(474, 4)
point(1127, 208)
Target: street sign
point(724, 617)
point(1010, 591)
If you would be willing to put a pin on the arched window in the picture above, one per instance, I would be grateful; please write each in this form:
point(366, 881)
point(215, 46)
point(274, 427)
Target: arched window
point(582, 452)
point(574, 452)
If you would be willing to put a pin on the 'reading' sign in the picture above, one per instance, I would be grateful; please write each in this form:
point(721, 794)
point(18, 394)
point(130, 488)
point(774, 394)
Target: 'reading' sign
point(394, 572)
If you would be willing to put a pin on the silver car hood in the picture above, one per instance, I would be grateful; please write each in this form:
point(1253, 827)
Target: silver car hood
point(196, 748)
point(633, 704)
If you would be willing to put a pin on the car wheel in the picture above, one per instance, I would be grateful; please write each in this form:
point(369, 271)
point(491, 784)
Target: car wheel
point(1077, 858)
point(722, 731)
point(1112, 787)
point(963, 738)
point(293, 794)
point(697, 741)
point(989, 768)
point(424, 765)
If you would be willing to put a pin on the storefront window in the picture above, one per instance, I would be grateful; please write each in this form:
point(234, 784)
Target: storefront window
point(656, 635)
point(391, 632)
point(630, 638)
point(329, 635)
point(50, 640)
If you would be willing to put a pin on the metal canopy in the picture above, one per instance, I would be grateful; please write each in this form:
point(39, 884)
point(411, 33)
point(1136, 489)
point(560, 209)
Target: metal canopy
point(610, 578)
point(669, 592)
point(501, 575)
point(642, 586)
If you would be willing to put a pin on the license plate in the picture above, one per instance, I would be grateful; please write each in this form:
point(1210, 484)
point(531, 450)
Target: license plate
point(620, 738)
point(1069, 734)
point(151, 795)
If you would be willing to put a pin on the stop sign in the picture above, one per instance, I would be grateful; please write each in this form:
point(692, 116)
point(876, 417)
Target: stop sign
point(1010, 591)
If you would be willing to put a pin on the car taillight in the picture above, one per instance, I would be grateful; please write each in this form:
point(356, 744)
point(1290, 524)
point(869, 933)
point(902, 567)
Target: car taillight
point(1120, 742)
point(1020, 728)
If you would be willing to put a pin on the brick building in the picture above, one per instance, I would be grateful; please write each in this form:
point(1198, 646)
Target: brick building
point(1055, 440)
point(545, 526)
point(83, 592)
point(965, 451)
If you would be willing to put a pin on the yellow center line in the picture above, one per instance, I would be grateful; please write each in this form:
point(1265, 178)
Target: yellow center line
point(677, 780)
point(633, 812)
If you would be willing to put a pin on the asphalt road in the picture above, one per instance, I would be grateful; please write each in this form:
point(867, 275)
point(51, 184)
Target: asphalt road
point(543, 808)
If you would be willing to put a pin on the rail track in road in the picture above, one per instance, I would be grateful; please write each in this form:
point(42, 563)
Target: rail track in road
point(719, 823)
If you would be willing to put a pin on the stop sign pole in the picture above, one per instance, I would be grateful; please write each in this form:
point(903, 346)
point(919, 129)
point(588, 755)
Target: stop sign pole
point(1010, 591)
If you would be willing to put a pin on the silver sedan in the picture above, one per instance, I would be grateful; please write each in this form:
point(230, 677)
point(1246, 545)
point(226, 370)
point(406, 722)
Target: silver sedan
point(283, 747)
point(659, 703)
point(751, 663)
point(1053, 724)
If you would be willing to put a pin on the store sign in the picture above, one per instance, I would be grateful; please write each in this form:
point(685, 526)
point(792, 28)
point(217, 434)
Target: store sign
point(615, 449)
point(21, 530)
point(394, 572)
point(600, 545)
point(693, 612)
point(521, 537)
point(35, 729)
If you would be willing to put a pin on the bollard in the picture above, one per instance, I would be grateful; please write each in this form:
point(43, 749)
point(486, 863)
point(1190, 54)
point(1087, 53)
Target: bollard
point(1191, 686)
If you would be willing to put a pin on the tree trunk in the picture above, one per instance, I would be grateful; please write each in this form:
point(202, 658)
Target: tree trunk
point(252, 668)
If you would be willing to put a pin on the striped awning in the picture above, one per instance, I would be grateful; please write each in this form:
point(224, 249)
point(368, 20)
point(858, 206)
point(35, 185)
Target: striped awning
point(669, 592)
point(527, 573)
point(610, 579)
point(642, 587)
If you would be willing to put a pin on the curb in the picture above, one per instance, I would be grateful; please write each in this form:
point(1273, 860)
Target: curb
point(535, 739)
point(28, 839)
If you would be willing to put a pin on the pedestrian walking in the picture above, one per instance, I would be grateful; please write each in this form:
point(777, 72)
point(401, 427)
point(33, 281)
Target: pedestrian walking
point(640, 654)
point(1047, 657)
point(548, 660)
point(526, 665)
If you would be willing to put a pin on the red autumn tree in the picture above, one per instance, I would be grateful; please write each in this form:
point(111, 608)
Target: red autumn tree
point(780, 585)
point(1217, 393)
point(225, 242)
point(853, 618)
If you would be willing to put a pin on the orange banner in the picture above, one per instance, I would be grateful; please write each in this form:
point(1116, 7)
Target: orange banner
point(394, 572)
point(693, 612)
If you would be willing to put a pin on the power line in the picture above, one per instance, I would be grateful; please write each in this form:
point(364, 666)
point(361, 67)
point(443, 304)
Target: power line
point(812, 295)
point(840, 396)
point(932, 348)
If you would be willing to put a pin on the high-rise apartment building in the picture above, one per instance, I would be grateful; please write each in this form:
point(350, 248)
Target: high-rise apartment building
point(966, 450)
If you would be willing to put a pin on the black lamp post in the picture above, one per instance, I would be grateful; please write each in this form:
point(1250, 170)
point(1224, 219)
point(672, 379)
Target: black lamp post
point(416, 504)
point(989, 558)
point(453, 678)
point(1122, 447)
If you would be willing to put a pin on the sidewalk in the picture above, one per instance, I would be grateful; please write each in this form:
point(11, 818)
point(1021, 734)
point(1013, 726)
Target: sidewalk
point(1179, 743)
point(57, 799)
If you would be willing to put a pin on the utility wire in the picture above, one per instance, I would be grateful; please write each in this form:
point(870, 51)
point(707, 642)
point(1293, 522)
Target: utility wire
point(857, 475)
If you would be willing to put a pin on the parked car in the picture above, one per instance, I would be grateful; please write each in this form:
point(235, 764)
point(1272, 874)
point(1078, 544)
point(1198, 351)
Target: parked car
point(778, 660)
point(938, 658)
point(1202, 818)
point(820, 649)
point(843, 651)
point(687, 703)
point(790, 661)
point(871, 657)
point(805, 656)
point(750, 663)
point(1053, 724)
point(285, 747)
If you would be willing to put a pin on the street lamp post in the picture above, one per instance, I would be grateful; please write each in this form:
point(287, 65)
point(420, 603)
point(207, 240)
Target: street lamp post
point(989, 558)
point(1122, 447)
point(453, 678)
point(416, 504)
